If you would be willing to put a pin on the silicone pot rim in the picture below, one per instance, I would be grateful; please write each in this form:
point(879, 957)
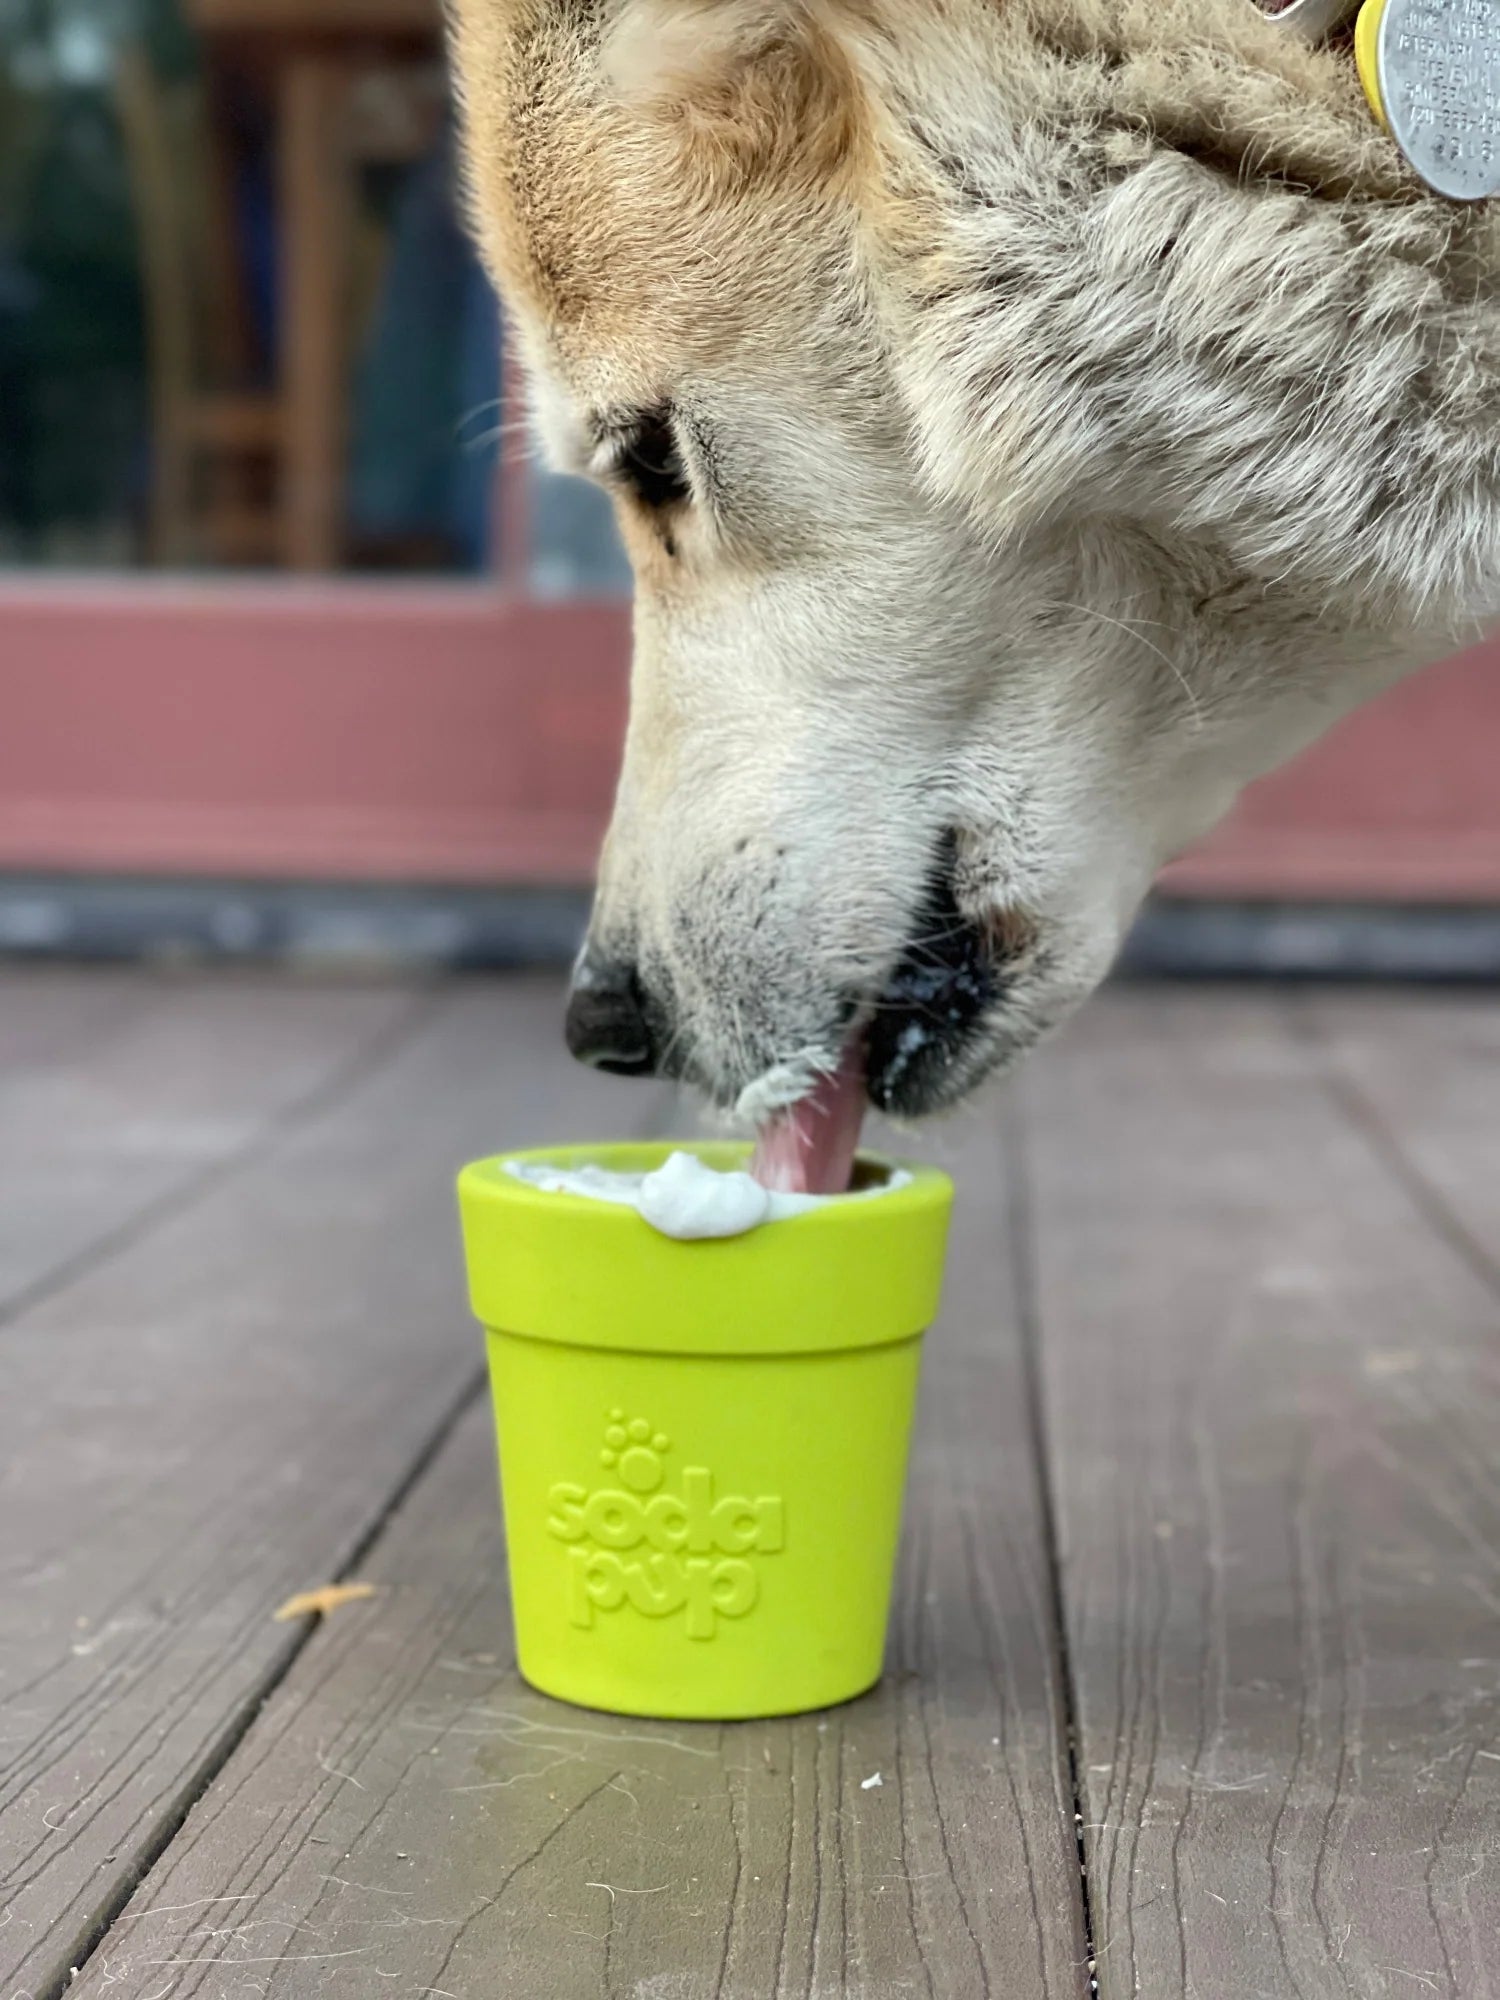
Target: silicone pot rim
point(854, 1274)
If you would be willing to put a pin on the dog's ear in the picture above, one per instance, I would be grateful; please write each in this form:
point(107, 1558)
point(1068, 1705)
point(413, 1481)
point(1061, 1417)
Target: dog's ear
point(752, 83)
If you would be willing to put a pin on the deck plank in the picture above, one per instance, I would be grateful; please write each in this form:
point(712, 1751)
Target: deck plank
point(221, 1411)
point(1273, 1405)
point(1421, 1076)
point(117, 1093)
point(407, 1817)
point(45, 1010)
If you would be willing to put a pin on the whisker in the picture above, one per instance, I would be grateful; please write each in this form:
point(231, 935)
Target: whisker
point(480, 410)
point(1132, 630)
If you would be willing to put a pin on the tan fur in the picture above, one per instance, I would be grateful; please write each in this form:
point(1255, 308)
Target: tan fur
point(1085, 406)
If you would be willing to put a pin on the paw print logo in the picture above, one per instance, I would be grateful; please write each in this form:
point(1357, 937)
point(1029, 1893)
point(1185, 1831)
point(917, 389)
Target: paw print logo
point(634, 1448)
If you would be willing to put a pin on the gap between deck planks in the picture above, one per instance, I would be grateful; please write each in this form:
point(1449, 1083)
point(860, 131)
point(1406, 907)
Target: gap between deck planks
point(407, 1818)
point(219, 1403)
point(1266, 1236)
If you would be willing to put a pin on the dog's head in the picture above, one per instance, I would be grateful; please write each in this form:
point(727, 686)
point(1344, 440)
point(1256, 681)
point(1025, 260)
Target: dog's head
point(943, 362)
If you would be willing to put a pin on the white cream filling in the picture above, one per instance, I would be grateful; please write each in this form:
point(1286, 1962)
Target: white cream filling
point(685, 1198)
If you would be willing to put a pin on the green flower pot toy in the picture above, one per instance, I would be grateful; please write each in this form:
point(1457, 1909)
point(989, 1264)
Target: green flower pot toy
point(702, 1443)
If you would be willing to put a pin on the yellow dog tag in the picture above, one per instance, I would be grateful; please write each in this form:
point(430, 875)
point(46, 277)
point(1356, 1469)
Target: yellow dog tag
point(1366, 30)
point(1431, 70)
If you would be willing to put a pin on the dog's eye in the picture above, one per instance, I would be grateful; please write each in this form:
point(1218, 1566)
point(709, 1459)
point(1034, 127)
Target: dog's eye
point(652, 465)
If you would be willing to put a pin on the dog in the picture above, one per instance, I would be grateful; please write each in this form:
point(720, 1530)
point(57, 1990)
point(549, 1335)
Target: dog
point(1029, 420)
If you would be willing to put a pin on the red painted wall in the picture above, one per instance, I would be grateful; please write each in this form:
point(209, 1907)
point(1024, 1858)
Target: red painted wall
point(452, 733)
point(1400, 802)
point(329, 730)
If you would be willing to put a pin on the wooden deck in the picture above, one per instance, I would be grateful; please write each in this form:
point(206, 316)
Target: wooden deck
point(1201, 1584)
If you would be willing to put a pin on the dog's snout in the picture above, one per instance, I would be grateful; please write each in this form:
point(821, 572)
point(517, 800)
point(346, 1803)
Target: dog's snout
point(606, 1020)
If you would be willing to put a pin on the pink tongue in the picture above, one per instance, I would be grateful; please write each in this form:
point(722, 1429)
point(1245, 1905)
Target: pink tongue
point(810, 1148)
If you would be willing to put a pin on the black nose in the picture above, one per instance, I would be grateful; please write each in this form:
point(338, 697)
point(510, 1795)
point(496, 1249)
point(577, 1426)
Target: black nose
point(606, 1022)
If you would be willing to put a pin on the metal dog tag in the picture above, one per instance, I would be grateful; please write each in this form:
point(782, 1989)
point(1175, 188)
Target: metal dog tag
point(1438, 65)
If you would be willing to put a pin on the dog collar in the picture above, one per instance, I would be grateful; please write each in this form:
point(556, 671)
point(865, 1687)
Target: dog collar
point(1431, 70)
